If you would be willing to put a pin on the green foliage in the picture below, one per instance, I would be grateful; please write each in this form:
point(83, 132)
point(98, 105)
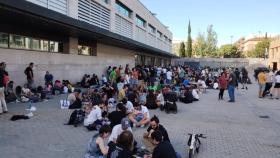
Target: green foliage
point(207, 46)
point(189, 42)
point(182, 50)
point(260, 49)
point(229, 51)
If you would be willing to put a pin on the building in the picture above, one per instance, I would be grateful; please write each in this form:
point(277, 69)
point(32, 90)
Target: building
point(274, 53)
point(248, 43)
point(72, 37)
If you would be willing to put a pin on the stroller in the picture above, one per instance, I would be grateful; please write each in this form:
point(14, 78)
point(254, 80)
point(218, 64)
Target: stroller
point(170, 99)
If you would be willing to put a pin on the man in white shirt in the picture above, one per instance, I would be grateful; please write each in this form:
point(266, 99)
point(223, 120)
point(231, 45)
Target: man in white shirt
point(168, 77)
point(118, 129)
point(95, 115)
point(128, 105)
point(141, 116)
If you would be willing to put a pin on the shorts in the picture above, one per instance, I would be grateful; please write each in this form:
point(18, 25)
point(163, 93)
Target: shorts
point(277, 85)
point(261, 87)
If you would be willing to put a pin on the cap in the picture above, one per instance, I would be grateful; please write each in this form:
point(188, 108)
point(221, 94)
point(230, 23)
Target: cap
point(125, 123)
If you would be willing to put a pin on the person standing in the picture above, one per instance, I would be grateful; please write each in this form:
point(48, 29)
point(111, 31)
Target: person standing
point(3, 78)
point(222, 85)
point(29, 75)
point(262, 82)
point(48, 78)
point(231, 86)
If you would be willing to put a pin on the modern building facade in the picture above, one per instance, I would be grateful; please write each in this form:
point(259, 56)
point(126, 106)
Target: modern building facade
point(274, 54)
point(72, 37)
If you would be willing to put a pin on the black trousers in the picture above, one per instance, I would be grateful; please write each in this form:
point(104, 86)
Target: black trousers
point(268, 85)
point(221, 94)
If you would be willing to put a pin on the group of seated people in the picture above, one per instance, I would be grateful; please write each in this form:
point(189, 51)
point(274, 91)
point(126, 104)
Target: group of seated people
point(122, 144)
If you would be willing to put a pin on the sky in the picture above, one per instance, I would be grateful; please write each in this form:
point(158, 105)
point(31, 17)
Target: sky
point(231, 19)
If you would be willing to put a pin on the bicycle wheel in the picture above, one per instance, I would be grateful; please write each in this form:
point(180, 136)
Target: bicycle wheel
point(190, 153)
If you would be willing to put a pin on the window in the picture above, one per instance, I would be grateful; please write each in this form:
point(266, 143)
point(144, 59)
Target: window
point(23, 42)
point(159, 34)
point(84, 50)
point(56, 46)
point(122, 9)
point(165, 38)
point(140, 22)
point(152, 29)
point(4, 40)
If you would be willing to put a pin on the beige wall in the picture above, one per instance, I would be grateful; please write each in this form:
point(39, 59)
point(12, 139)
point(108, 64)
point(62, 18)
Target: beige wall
point(63, 66)
point(274, 52)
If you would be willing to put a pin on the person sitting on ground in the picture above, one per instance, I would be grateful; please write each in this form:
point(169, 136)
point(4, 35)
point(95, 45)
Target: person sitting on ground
point(122, 93)
point(115, 117)
point(154, 126)
point(142, 95)
point(93, 118)
point(188, 97)
point(163, 149)
point(57, 87)
point(151, 100)
point(118, 129)
point(96, 146)
point(48, 78)
point(160, 100)
point(75, 99)
point(140, 116)
point(128, 105)
point(123, 147)
point(194, 93)
point(10, 95)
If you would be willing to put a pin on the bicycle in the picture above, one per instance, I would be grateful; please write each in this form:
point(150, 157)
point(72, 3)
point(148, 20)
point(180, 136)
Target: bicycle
point(194, 143)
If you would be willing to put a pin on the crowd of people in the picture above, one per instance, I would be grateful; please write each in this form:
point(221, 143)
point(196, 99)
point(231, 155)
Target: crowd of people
point(121, 99)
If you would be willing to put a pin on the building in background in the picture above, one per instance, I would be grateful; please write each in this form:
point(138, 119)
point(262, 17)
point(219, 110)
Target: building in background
point(72, 37)
point(248, 43)
point(274, 53)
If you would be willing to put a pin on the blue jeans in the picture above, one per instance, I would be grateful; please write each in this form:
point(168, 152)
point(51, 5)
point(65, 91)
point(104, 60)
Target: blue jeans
point(231, 93)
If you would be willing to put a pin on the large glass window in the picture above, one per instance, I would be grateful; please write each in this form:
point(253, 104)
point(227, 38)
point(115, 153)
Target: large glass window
point(106, 1)
point(17, 41)
point(56, 46)
point(140, 22)
point(23, 42)
point(84, 50)
point(152, 29)
point(122, 9)
point(4, 40)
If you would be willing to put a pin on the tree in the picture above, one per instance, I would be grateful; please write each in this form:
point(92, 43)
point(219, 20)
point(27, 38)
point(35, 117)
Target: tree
point(260, 49)
point(189, 42)
point(207, 46)
point(211, 42)
point(229, 51)
point(182, 51)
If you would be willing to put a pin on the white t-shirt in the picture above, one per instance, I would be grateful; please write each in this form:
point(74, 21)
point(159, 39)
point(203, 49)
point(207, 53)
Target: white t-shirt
point(164, 70)
point(94, 115)
point(129, 107)
point(160, 98)
point(117, 130)
point(169, 75)
point(144, 110)
point(194, 93)
point(277, 78)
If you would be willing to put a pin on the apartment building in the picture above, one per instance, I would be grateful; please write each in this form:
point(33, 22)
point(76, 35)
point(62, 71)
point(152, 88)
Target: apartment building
point(72, 37)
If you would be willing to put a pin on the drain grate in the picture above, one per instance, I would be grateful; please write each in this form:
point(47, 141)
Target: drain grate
point(264, 116)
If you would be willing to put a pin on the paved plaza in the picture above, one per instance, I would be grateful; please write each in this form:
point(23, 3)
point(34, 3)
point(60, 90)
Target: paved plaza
point(233, 130)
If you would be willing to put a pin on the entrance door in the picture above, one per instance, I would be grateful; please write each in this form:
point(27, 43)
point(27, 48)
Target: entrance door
point(274, 67)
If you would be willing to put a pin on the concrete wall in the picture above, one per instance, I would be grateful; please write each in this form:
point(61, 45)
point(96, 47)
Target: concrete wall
point(63, 66)
point(250, 63)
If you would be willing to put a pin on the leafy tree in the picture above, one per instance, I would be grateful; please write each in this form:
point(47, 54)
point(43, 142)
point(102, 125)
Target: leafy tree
point(229, 51)
point(200, 46)
point(207, 46)
point(211, 42)
point(182, 50)
point(259, 51)
point(189, 42)
point(261, 48)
